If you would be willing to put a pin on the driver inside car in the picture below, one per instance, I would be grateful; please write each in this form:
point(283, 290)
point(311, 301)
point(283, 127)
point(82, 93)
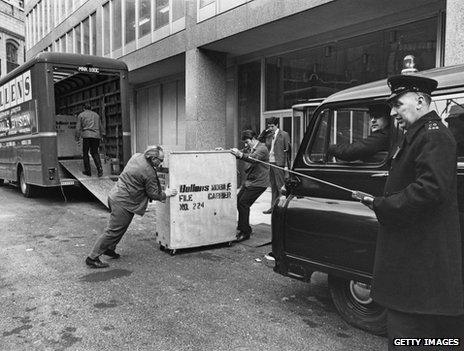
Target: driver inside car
point(366, 149)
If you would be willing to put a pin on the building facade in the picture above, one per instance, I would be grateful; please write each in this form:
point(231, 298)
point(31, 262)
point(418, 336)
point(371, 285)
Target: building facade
point(202, 70)
point(12, 45)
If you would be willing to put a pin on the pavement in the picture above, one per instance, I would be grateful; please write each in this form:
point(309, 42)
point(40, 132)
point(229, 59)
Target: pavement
point(211, 298)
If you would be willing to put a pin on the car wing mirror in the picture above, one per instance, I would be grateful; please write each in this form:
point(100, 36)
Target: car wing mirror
point(290, 183)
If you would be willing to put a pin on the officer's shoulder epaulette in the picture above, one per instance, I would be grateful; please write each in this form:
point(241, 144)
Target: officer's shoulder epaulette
point(432, 125)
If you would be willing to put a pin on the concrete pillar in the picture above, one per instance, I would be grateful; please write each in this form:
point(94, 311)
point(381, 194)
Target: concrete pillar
point(231, 107)
point(205, 99)
point(454, 43)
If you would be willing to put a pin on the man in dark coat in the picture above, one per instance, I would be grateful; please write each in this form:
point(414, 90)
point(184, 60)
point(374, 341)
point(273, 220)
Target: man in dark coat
point(257, 180)
point(278, 143)
point(418, 263)
point(366, 149)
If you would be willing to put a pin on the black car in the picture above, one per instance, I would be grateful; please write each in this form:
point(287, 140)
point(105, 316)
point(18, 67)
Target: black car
point(318, 227)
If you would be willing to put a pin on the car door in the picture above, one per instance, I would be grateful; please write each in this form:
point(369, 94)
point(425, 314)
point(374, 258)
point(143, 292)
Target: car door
point(323, 224)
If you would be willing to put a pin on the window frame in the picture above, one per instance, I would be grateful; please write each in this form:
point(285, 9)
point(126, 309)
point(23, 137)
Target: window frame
point(316, 125)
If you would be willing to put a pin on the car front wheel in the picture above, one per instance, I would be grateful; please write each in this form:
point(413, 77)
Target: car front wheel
point(352, 300)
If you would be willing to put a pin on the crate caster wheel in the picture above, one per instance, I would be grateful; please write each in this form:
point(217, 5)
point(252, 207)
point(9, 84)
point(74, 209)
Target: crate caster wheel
point(230, 243)
point(162, 248)
point(172, 252)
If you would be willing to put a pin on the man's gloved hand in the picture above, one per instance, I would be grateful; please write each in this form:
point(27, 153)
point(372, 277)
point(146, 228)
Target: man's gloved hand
point(364, 198)
point(170, 192)
point(236, 152)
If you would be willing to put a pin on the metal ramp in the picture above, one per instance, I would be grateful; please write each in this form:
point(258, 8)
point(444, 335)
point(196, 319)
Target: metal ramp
point(99, 186)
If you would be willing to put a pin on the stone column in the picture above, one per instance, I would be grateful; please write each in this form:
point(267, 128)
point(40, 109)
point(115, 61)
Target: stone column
point(454, 43)
point(205, 99)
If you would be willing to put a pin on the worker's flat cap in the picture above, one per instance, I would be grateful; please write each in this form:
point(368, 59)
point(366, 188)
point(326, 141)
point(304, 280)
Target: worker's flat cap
point(404, 83)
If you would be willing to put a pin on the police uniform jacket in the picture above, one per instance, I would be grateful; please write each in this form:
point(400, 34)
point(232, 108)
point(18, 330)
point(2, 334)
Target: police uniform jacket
point(137, 184)
point(418, 259)
point(362, 149)
point(257, 174)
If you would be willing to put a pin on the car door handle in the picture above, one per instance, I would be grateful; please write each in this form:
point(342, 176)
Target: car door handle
point(379, 175)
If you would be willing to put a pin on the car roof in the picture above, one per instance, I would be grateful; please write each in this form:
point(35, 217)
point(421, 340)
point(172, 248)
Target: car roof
point(449, 79)
point(309, 102)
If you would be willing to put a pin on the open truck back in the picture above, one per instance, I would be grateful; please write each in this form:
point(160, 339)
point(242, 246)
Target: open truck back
point(39, 104)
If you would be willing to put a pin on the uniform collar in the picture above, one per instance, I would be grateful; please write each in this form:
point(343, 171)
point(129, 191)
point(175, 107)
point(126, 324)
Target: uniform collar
point(417, 125)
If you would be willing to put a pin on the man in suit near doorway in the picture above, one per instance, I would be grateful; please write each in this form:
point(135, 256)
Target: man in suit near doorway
point(278, 144)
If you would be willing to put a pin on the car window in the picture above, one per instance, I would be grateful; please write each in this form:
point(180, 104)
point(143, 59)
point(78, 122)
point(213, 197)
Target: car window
point(451, 111)
point(317, 153)
point(347, 134)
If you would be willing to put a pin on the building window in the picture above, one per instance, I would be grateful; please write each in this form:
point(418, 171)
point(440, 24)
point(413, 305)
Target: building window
point(63, 43)
point(106, 29)
point(321, 71)
point(249, 87)
point(204, 3)
point(11, 55)
point(117, 33)
point(178, 9)
point(144, 17)
point(39, 21)
point(70, 41)
point(93, 30)
point(86, 36)
point(130, 21)
point(77, 35)
point(62, 10)
point(69, 7)
point(161, 13)
point(51, 17)
point(34, 26)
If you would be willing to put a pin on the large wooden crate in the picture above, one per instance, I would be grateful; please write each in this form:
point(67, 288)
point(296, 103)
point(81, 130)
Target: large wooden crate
point(204, 211)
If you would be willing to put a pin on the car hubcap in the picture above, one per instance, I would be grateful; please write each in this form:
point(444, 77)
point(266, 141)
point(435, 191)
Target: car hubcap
point(361, 292)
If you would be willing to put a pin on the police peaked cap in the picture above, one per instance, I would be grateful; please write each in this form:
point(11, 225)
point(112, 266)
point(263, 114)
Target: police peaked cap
point(405, 83)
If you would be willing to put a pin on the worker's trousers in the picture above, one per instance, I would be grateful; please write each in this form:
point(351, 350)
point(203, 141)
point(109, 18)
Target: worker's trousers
point(118, 223)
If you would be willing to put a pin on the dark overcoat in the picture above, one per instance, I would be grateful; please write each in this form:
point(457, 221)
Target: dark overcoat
point(418, 261)
point(362, 149)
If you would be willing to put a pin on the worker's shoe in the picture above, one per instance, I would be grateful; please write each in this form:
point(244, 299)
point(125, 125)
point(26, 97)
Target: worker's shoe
point(100, 173)
point(111, 253)
point(88, 174)
point(241, 236)
point(268, 211)
point(95, 263)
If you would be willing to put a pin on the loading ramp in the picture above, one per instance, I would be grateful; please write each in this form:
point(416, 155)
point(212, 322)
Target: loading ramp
point(99, 186)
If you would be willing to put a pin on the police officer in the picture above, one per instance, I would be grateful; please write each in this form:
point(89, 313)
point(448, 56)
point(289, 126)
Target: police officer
point(377, 141)
point(418, 264)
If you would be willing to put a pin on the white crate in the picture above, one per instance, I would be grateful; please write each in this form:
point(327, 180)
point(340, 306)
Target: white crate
point(204, 212)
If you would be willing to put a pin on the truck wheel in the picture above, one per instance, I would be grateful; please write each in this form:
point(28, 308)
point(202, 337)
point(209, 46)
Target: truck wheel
point(352, 300)
point(26, 189)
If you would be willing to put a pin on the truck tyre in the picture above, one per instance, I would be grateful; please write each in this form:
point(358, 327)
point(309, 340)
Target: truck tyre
point(26, 189)
point(352, 301)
